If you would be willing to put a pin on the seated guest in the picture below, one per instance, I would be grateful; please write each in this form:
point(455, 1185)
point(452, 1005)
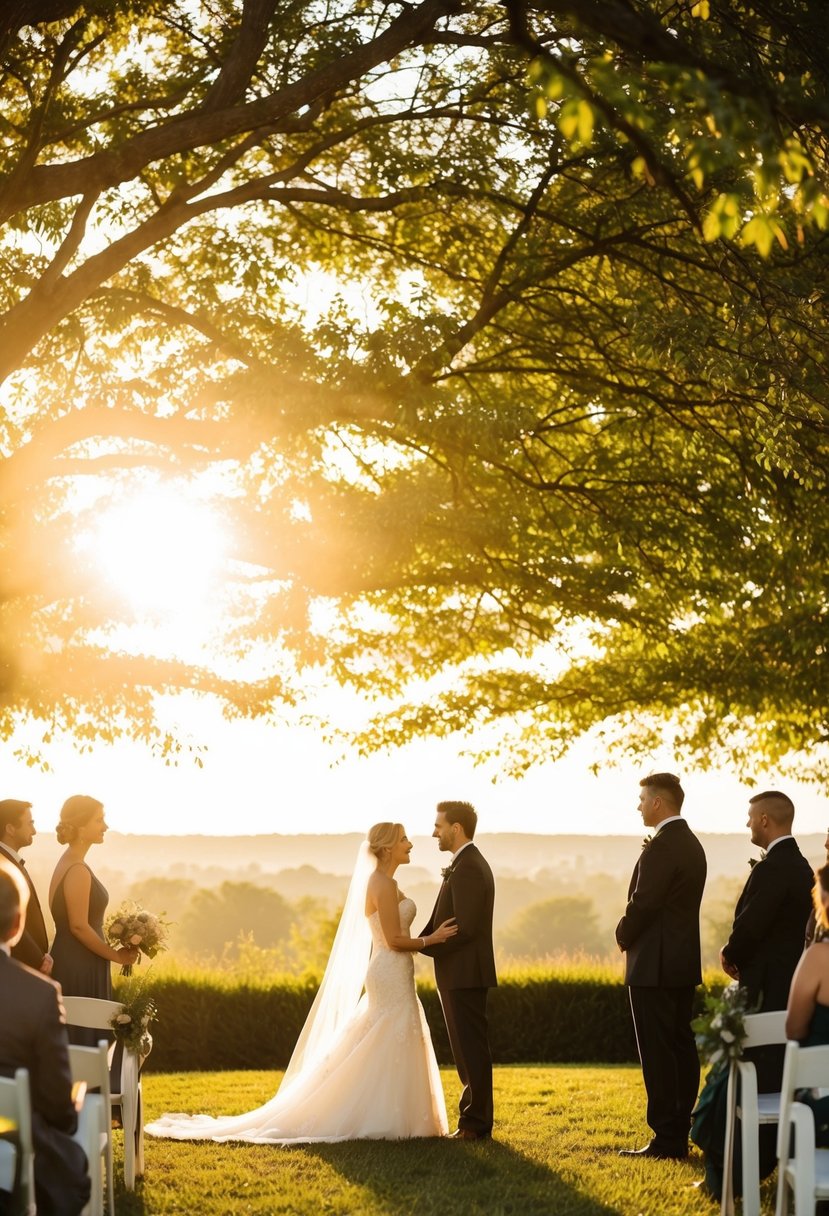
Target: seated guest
point(33, 1036)
point(813, 926)
point(807, 1014)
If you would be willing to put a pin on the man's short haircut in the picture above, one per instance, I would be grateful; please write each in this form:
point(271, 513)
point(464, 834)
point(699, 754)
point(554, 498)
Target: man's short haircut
point(14, 898)
point(777, 806)
point(667, 786)
point(11, 810)
point(463, 813)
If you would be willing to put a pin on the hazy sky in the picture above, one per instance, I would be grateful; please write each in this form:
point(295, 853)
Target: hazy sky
point(259, 778)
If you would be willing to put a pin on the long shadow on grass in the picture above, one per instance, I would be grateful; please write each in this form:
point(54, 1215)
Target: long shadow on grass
point(451, 1178)
point(396, 1178)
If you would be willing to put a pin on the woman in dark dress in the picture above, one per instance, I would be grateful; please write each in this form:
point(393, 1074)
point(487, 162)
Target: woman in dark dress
point(78, 901)
point(807, 1014)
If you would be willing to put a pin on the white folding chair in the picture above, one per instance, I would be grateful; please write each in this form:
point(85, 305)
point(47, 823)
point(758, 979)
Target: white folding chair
point(94, 1014)
point(800, 1165)
point(752, 1109)
point(94, 1134)
point(17, 1155)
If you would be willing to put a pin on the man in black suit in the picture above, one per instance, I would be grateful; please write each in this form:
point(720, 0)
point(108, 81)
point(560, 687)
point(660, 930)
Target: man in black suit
point(33, 1036)
point(659, 935)
point(767, 935)
point(17, 831)
point(465, 964)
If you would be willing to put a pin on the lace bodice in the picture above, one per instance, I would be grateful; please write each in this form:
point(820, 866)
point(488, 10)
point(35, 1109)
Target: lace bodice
point(408, 910)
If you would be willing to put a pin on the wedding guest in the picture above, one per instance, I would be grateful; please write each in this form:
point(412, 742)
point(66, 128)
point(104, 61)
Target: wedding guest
point(767, 935)
point(17, 831)
point(78, 901)
point(814, 929)
point(766, 939)
point(33, 1036)
point(659, 936)
point(807, 1013)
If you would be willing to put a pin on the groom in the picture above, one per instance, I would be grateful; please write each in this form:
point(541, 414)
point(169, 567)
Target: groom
point(465, 964)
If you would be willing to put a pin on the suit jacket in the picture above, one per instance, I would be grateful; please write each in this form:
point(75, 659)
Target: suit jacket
point(659, 931)
point(767, 935)
point(466, 960)
point(33, 1036)
point(35, 941)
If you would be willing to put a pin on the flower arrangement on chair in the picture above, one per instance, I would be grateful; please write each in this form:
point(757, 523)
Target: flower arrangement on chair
point(720, 1030)
point(131, 1026)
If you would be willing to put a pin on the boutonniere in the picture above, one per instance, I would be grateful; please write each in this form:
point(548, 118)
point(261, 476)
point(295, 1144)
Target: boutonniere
point(445, 872)
point(755, 861)
point(647, 842)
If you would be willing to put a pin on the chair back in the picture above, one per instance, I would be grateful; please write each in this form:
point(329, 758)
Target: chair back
point(90, 1012)
point(91, 1064)
point(803, 1068)
point(16, 1106)
point(765, 1029)
point(95, 1014)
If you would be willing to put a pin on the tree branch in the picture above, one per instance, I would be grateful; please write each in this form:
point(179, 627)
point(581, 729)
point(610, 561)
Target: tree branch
point(281, 111)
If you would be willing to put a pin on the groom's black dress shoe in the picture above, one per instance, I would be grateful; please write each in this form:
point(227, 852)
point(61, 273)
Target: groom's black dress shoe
point(658, 1151)
point(464, 1133)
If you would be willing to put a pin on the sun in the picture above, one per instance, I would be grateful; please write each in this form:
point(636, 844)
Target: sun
point(162, 550)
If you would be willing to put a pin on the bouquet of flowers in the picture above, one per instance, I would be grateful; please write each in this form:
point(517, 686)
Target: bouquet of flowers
point(131, 1026)
point(138, 930)
point(720, 1030)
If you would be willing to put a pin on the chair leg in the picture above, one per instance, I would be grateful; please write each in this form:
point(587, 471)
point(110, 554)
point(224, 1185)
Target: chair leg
point(139, 1134)
point(110, 1174)
point(96, 1196)
point(750, 1134)
point(804, 1197)
point(129, 1114)
point(727, 1197)
point(782, 1208)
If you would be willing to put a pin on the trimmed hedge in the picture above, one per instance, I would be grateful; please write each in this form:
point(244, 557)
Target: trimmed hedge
point(205, 1023)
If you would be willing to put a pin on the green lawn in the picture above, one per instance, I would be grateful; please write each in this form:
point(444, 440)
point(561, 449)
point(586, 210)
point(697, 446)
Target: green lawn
point(558, 1129)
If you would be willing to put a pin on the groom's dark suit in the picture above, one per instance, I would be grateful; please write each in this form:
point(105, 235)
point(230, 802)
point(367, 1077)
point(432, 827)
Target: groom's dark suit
point(464, 972)
point(659, 933)
point(35, 941)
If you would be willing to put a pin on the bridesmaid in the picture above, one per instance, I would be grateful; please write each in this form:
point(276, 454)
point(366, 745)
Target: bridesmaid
point(807, 1015)
point(78, 901)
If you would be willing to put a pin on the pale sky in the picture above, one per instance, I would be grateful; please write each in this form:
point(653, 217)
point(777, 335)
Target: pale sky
point(258, 778)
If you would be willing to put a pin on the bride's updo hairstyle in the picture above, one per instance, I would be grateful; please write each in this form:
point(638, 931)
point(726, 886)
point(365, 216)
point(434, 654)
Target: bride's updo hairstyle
point(75, 813)
point(383, 836)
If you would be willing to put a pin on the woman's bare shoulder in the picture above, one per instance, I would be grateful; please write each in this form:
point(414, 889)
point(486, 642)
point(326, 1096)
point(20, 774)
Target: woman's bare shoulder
point(381, 882)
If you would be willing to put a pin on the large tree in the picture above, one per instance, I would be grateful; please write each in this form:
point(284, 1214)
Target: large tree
point(553, 444)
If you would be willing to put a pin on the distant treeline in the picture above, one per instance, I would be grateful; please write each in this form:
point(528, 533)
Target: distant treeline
point(248, 927)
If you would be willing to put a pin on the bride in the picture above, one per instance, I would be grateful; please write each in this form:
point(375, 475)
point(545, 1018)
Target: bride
point(363, 1067)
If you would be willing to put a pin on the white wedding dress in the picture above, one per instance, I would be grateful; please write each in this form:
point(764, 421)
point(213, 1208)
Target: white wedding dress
point(376, 1079)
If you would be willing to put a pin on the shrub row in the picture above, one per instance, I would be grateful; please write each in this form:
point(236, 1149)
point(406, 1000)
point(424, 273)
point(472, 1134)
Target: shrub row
point(206, 1024)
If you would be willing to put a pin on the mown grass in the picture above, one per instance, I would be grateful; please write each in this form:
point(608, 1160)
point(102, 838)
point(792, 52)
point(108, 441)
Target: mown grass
point(558, 1131)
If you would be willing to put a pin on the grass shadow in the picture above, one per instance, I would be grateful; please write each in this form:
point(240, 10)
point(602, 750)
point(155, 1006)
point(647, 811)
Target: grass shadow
point(455, 1178)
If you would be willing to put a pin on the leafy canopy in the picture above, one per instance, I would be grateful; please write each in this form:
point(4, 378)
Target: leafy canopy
point(551, 437)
